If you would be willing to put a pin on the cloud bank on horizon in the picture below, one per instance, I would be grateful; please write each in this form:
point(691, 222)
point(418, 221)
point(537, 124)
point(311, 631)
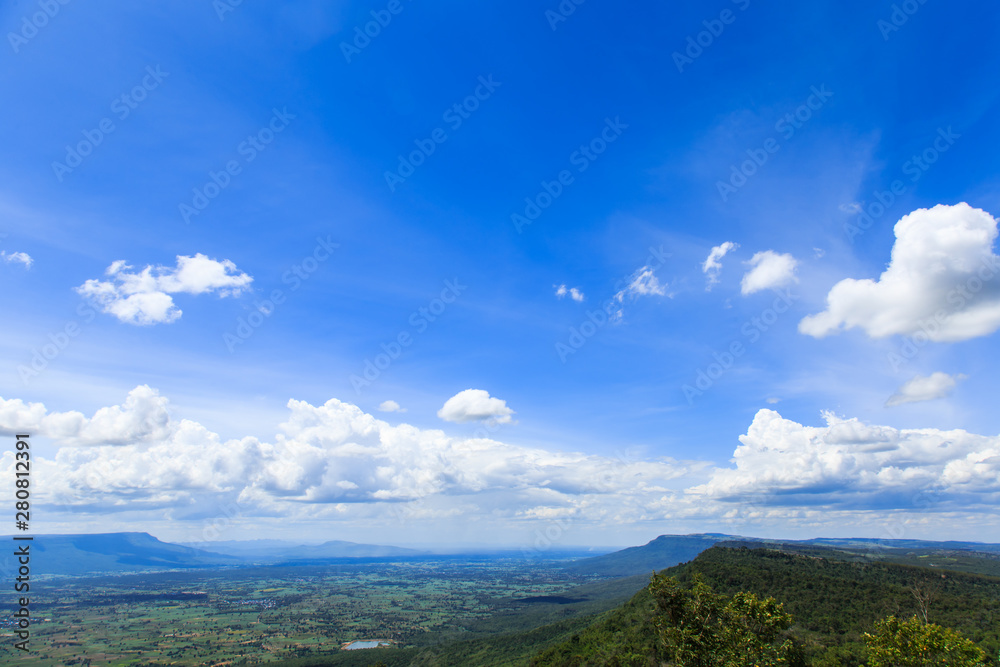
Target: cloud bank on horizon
point(333, 461)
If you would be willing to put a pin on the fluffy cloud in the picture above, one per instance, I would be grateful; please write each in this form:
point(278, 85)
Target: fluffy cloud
point(769, 270)
point(143, 417)
point(19, 257)
point(937, 385)
point(136, 457)
point(144, 297)
point(573, 292)
point(390, 406)
point(475, 405)
point(333, 464)
point(939, 281)
point(713, 264)
point(849, 464)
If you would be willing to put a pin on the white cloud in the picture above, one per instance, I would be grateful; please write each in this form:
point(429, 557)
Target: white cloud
point(573, 292)
point(850, 464)
point(332, 464)
point(769, 270)
point(136, 457)
point(937, 385)
point(939, 281)
point(475, 405)
point(645, 283)
point(641, 283)
point(390, 406)
point(144, 417)
point(144, 297)
point(713, 266)
point(851, 208)
point(19, 257)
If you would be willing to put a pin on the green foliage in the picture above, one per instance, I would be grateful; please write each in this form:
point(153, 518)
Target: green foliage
point(832, 601)
point(913, 643)
point(691, 627)
point(702, 629)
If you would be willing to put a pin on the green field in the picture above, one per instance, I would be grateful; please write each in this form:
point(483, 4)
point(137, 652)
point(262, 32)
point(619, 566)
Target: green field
point(488, 611)
point(251, 615)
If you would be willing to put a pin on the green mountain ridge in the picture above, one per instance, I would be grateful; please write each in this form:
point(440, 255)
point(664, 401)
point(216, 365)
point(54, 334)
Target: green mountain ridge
point(832, 601)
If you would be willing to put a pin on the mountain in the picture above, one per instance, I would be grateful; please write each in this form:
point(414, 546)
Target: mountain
point(339, 549)
point(251, 550)
point(832, 599)
point(116, 552)
point(873, 544)
point(663, 552)
point(276, 551)
point(669, 550)
point(133, 552)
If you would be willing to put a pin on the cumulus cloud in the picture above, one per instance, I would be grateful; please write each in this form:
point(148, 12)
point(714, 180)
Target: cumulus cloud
point(143, 417)
point(19, 257)
point(144, 297)
point(475, 405)
point(713, 264)
point(940, 281)
point(335, 463)
point(853, 465)
point(769, 270)
point(937, 385)
point(390, 406)
point(137, 457)
point(573, 292)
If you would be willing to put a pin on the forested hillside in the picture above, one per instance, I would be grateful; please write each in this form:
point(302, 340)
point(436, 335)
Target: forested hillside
point(831, 602)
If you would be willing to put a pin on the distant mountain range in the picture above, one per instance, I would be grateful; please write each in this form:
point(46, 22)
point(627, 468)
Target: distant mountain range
point(670, 550)
point(116, 552)
point(282, 550)
point(663, 552)
point(136, 552)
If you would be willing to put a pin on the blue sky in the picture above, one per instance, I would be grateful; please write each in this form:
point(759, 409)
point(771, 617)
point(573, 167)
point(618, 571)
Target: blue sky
point(308, 128)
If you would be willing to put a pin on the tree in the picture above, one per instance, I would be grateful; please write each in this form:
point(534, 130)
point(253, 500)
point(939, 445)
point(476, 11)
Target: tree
point(912, 643)
point(702, 629)
point(924, 593)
